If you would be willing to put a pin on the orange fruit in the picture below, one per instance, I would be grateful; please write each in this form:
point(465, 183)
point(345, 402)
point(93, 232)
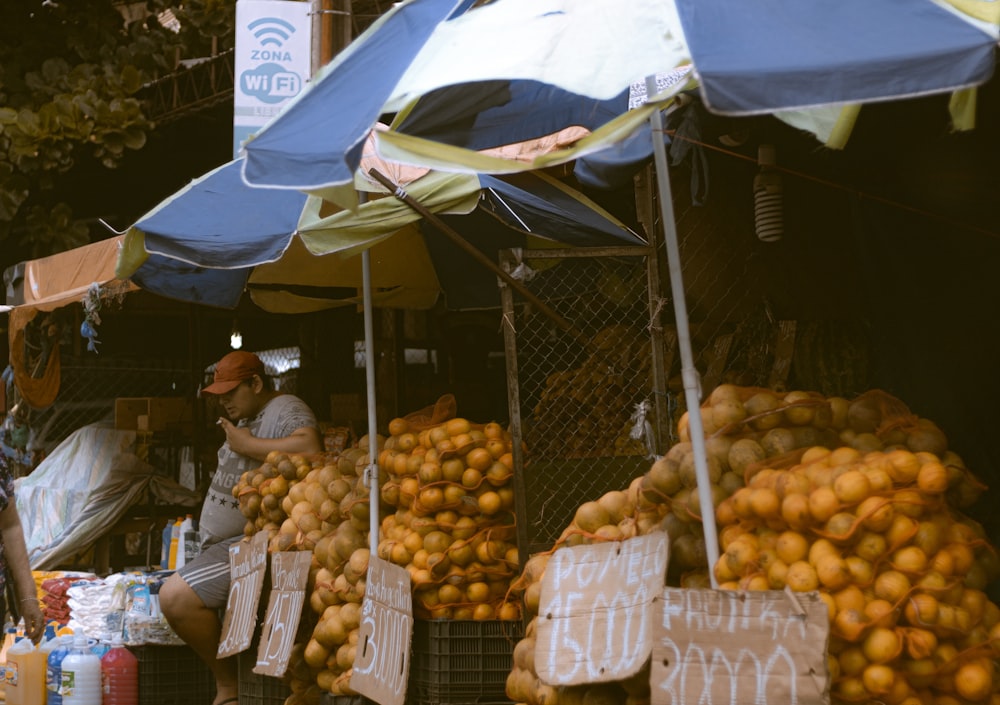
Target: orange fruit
point(795, 511)
point(932, 478)
point(850, 598)
point(764, 503)
point(478, 459)
point(483, 611)
point(457, 426)
point(878, 679)
point(832, 572)
point(791, 546)
point(881, 613)
point(823, 503)
point(974, 680)
point(852, 487)
point(801, 577)
point(471, 478)
point(452, 469)
point(852, 661)
point(891, 586)
point(489, 503)
point(398, 426)
point(910, 560)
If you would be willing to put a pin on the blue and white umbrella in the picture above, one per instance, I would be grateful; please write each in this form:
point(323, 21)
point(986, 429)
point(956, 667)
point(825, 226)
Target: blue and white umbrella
point(217, 238)
point(519, 69)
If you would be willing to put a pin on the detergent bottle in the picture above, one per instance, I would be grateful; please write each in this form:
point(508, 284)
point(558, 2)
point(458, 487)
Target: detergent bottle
point(187, 525)
point(53, 667)
point(120, 675)
point(175, 534)
point(25, 676)
point(81, 674)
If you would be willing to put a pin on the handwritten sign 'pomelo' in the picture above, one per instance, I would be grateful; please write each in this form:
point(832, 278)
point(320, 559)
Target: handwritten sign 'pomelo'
point(730, 647)
point(595, 612)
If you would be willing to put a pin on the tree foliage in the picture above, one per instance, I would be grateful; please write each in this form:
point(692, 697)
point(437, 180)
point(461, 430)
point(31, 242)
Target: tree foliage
point(71, 72)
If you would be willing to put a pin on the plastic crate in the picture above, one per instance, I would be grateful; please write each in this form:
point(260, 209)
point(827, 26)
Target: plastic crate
point(461, 662)
point(172, 675)
point(256, 689)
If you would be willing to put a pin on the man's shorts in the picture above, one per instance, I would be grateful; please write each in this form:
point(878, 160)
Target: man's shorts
point(208, 573)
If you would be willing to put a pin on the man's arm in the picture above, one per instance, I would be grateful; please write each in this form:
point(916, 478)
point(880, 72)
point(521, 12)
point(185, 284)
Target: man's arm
point(302, 440)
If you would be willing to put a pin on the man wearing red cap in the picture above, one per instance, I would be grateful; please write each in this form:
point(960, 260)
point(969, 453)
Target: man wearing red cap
point(260, 420)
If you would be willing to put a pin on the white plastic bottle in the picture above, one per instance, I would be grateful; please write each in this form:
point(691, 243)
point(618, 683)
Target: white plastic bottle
point(81, 674)
point(187, 525)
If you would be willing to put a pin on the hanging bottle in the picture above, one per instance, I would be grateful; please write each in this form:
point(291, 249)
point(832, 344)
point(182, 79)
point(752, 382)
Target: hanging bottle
point(120, 675)
point(81, 674)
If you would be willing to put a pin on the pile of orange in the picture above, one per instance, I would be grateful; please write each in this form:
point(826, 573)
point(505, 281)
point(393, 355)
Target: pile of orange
point(453, 527)
point(901, 571)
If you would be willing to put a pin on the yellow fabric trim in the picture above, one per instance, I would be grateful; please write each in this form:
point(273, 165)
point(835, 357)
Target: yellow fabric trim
point(415, 150)
point(979, 9)
point(962, 107)
point(844, 126)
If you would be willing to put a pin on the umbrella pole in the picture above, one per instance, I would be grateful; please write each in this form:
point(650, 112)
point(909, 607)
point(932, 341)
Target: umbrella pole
point(371, 472)
point(462, 243)
point(689, 373)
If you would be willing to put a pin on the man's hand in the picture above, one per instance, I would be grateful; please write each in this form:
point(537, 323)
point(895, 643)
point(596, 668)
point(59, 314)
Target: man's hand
point(238, 438)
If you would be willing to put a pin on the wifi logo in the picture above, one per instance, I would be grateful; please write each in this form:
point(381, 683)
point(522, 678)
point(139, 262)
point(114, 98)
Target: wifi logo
point(271, 31)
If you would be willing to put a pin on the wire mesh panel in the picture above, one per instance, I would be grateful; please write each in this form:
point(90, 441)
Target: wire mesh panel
point(582, 382)
point(88, 389)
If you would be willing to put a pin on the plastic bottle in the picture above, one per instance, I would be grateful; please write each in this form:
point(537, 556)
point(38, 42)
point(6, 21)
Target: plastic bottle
point(25, 674)
point(187, 525)
point(165, 546)
point(120, 675)
point(190, 538)
point(81, 674)
point(53, 668)
point(175, 534)
point(9, 631)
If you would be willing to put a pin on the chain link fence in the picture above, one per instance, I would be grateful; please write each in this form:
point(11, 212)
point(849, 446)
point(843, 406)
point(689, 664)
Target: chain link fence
point(576, 390)
point(581, 382)
point(90, 384)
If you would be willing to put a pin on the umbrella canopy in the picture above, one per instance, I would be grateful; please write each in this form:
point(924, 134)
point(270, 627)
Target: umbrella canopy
point(795, 60)
point(217, 237)
point(749, 59)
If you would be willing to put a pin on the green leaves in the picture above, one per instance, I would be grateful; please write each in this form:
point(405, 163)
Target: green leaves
point(69, 76)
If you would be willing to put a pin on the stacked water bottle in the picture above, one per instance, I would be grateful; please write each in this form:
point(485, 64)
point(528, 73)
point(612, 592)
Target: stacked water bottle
point(68, 669)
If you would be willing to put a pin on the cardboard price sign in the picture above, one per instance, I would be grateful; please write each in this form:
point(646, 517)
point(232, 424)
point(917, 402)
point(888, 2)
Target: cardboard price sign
point(247, 564)
point(382, 661)
point(289, 575)
point(731, 647)
point(596, 610)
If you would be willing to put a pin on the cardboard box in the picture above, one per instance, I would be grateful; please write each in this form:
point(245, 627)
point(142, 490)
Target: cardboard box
point(153, 413)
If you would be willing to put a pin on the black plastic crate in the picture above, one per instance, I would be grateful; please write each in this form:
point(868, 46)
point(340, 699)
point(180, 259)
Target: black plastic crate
point(458, 662)
point(257, 689)
point(172, 675)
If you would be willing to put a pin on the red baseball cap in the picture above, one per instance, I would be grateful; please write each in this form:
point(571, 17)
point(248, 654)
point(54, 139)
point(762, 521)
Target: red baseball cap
point(232, 369)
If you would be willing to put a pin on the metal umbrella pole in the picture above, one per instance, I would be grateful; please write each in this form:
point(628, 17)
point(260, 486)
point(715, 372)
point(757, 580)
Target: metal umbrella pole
point(689, 373)
point(371, 471)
